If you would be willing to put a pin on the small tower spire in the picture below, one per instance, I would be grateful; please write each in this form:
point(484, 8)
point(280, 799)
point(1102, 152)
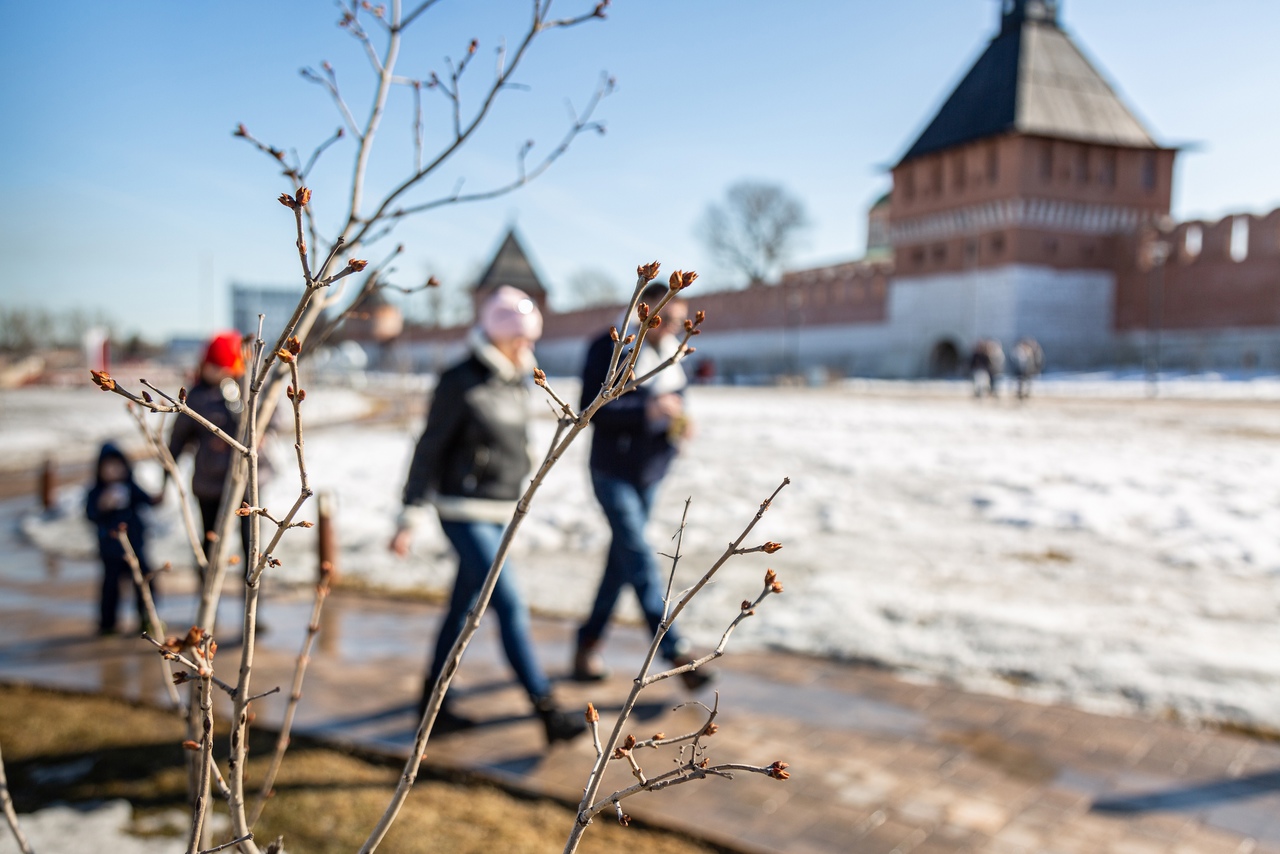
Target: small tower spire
point(1014, 12)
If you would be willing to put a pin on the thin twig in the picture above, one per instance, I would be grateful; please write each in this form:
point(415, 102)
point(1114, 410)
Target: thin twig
point(540, 378)
point(248, 837)
point(149, 605)
point(329, 81)
point(170, 653)
point(315, 155)
point(580, 125)
point(10, 814)
point(675, 559)
point(589, 806)
point(295, 694)
point(201, 807)
point(252, 585)
point(179, 404)
point(161, 451)
point(360, 227)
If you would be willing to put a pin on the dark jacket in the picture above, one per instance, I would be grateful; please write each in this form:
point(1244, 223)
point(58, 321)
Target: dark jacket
point(129, 504)
point(475, 444)
point(624, 445)
point(212, 455)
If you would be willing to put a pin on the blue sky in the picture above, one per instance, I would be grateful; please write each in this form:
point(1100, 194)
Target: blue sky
point(123, 188)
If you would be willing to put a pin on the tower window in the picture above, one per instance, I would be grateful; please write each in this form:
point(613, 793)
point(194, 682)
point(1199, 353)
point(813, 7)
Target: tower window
point(1239, 238)
point(1107, 168)
point(1082, 165)
point(1046, 162)
point(908, 184)
point(1148, 171)
point(993, 162)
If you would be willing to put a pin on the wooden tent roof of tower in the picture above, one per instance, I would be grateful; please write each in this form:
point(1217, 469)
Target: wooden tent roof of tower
point(1032, 79)
point(511, 266)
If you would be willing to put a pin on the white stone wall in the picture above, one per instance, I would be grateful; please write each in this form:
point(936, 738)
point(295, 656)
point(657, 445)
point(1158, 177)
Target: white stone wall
point(1233, 349)
point(840, 350)
point(1068, 311)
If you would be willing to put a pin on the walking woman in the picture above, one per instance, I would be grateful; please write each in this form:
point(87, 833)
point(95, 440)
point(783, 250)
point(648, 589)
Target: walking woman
point(471, 463)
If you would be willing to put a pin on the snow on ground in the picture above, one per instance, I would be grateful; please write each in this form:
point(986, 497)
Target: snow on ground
point(70, 423)
point(102, 827)
point(1097, 548)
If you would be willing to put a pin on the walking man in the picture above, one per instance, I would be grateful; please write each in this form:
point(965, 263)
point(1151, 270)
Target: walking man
point(636, 438)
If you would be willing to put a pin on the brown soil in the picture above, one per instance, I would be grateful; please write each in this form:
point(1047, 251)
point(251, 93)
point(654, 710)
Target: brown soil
point(61, 747)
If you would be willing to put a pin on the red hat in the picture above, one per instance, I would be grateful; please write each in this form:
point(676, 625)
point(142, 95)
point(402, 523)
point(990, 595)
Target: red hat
point(225, 351)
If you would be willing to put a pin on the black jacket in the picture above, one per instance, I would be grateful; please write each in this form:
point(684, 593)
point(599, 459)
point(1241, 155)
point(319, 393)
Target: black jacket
point(212, 455)
point(125, 509)
point(475, 444)
point(624, 445)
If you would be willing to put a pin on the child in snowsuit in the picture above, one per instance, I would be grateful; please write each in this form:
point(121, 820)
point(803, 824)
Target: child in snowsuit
point(113, 500)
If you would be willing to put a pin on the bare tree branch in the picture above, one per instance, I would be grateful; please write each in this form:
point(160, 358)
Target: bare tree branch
point(329, 80)
point(10, 814)
point(248, 837)
point(580, 124)
point(412, 16)
point(161, 452)
point(121, 535)
point(201, 806)
point(315, 155)
point(295, 695)
point(463, 133)
point(692, 769)
point(755, 229)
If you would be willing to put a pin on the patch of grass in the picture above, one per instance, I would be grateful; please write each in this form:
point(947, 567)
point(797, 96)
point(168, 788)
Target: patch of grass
point(61, 747)
point(1049, 555)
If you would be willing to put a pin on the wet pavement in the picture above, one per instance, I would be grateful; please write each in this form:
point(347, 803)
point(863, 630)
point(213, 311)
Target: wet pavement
point(879, 763)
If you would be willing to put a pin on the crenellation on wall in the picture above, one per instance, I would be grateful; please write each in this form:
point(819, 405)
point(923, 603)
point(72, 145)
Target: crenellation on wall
point(1209, 289)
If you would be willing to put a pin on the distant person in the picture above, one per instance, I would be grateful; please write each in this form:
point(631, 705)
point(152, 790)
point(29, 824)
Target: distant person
point(980, 369)
point(217, 396)
point(995, 354)
point(635, 440)
point(705, 372)
point(115, 499)
point(471, 463)
point(1028, 362)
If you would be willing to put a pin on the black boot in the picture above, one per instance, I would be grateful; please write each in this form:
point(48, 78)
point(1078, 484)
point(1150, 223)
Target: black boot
point(694, 679)
point(447, 720)
point(558, 724)
point(588, 666)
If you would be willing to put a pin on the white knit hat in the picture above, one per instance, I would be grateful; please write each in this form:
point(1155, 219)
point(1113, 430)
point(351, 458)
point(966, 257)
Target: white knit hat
point(510, 313)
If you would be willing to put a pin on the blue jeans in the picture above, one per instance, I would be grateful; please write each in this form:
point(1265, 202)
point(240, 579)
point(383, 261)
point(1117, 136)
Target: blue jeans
point(476, 544)
point(631, 562)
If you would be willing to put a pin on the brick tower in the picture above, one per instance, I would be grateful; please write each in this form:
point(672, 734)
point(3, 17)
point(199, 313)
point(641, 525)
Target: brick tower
point(1007, 212)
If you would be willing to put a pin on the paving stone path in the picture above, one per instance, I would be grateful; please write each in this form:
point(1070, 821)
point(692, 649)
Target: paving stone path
point(879, 763)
